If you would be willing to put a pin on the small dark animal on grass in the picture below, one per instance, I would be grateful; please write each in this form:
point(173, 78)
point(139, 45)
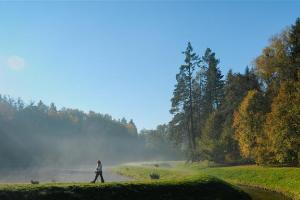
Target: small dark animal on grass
point(34, 182)
point(154, 175)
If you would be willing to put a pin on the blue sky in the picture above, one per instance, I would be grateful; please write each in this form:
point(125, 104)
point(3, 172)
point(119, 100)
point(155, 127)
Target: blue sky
point(121, 58)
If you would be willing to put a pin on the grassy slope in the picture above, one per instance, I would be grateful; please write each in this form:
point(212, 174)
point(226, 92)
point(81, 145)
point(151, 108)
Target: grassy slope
point(189, 189)
point(174, 184)
point(284, 180)
point(208, 186)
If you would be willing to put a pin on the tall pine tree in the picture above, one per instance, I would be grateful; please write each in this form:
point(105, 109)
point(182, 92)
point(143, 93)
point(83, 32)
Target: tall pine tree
point(183, 122)
point(213, 86)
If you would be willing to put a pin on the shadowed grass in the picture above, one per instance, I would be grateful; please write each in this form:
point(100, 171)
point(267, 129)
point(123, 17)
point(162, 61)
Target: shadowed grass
point(174, 184)
point(284, 180)
point(206, 188)
point(211, 187)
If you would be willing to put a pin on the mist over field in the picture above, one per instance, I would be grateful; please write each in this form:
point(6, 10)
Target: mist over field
point(37, 140)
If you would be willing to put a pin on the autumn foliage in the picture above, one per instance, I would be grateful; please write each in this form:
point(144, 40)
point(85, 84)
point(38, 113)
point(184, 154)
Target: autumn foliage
point(245, 118)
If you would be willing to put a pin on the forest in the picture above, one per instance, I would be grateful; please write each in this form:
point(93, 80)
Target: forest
point(40, 135)
point(250, 117)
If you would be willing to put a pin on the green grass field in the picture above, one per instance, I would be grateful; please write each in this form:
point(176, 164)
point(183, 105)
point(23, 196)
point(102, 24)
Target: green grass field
point(174, 184)
point(204, 187)
point(179, 181)
point(283, 180)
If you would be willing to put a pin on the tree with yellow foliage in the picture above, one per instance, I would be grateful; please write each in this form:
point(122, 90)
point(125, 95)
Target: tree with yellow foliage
point(248, 124)
point(283, 125)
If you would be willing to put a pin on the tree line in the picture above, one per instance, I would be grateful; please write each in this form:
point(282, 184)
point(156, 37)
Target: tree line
point(250, 117)
point(36, 134)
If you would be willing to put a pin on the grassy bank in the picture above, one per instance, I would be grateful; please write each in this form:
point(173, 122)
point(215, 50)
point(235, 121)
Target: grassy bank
point(203, 187)
point(174, 184)
point(192, 185)
point(283, 180)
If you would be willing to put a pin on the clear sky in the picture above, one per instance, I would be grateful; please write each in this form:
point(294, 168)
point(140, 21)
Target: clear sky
point(121, 58)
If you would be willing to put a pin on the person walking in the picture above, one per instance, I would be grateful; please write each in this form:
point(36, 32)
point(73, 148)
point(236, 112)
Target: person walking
point(98, 172)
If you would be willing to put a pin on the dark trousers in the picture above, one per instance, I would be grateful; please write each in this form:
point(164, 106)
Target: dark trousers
point(97, 175)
